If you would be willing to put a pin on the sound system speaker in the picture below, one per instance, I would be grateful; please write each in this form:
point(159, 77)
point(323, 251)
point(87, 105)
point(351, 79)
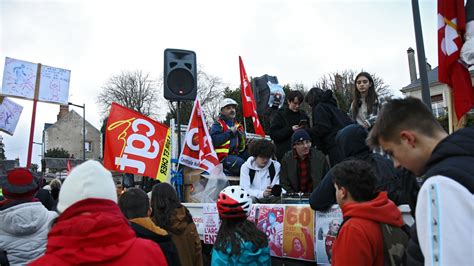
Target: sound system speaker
point(180, 75)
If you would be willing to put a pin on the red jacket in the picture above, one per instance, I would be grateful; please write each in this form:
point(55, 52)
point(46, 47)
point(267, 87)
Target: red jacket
point(360, 239)
point(94, 231)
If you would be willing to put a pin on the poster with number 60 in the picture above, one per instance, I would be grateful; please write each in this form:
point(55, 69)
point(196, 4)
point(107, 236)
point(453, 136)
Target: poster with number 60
point(298, 233)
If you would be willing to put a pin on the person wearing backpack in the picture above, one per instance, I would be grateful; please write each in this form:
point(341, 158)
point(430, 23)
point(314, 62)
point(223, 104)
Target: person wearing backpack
point(408, 132)
point(260, 174)
point(360, 240)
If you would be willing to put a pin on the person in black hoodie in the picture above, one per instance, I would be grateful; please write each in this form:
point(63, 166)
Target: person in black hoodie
point(351, 144)
point(407, 130)
point(286, 121)
point(135, 205)
point(328, 119)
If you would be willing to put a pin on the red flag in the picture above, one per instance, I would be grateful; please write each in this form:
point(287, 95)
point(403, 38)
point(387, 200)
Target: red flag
point(68, 166)
point(136, 144)
point(248, 102)
point(451, 28)
point(198, 151)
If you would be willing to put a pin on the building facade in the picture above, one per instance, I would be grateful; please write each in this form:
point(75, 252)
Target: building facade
point(66, 133)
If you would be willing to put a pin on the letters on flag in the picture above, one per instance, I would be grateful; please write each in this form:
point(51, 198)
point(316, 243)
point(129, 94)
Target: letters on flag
point(451, 27)
point(198, 151)
point(248, 102)
point(136, 144)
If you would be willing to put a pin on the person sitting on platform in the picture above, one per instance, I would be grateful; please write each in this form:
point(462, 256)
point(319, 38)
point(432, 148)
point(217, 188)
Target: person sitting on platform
point(228, 138)
point(260, 174)
point(303, 167)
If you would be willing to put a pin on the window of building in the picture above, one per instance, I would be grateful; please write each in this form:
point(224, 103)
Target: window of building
point(88, 146)
point(437, 105)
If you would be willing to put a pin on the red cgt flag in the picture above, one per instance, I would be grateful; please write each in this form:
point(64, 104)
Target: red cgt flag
point(198, 151)
point(451, 28)
point(248, 102)
point(136, 144)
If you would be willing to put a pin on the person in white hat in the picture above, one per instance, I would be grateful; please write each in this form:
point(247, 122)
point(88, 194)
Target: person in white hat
point(228, 138)
point(91, 229)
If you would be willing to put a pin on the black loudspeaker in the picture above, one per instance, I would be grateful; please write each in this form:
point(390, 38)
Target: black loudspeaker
point(180, 75)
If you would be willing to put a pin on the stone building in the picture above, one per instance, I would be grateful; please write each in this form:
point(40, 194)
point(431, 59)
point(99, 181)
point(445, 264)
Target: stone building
point(66, 133)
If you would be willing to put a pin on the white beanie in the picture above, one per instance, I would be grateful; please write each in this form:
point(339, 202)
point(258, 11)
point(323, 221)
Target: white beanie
point(87, 180)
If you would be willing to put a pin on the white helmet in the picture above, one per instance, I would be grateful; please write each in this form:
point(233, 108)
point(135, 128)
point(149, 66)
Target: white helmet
point(233, 202)
point(228, 101)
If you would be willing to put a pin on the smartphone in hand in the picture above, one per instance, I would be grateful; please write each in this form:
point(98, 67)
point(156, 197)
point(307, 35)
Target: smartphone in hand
point(303, 123)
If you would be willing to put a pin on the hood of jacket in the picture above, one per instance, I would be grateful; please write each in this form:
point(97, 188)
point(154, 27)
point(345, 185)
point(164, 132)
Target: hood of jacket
point(380, 210)
point(458, 144)
point(25, 218)
point(252, 164)
point(351, 141)
point(90, 231)
point(151, 228)
point(179, 222)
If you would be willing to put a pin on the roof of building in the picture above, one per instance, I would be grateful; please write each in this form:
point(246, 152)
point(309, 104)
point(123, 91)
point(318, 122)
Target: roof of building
point(416, 84)
point(71, 113)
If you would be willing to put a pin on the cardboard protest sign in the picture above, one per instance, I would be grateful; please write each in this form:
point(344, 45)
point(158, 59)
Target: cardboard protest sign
point(9, 115)
point(325, 231)
point(54, 85)
point(270, 221)
point(298, 240)
point(19, 78)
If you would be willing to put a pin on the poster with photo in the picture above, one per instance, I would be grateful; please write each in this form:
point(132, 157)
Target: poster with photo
point(298, 228)
point(325, 231)
point(270, 221)
point(9, 115)
point(211, 222)
point(19, 78)
point(253, 214)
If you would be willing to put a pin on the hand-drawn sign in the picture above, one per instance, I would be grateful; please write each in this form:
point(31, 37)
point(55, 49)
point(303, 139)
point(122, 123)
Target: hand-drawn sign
point(19, 78)
point(9, 115)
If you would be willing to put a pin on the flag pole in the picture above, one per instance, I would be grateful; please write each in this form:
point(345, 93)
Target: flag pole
point(425, 90)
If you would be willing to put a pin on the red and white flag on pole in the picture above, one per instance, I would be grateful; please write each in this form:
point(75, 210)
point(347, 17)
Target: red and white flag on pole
point(248, 102)
point(68, 166)
point(451, 28)
point(198, 151)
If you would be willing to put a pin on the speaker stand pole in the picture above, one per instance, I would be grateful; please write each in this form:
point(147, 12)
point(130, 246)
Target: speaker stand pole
point(180, 184)
point(245, 126)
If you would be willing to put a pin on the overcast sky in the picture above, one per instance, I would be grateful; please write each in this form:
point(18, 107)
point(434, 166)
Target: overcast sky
point(297, 41)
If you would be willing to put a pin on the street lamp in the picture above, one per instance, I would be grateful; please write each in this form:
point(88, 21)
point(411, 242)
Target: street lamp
point(83, 128)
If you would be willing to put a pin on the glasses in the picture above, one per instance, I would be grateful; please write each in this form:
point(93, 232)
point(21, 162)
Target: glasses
point(365, 81)
point(303, 143)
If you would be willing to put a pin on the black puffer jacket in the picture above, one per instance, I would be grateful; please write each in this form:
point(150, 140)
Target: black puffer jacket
point(351, 143)
point(453, 157)
point(281, 129)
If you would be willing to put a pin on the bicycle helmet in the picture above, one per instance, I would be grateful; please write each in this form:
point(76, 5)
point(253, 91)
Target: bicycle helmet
point(233, 202)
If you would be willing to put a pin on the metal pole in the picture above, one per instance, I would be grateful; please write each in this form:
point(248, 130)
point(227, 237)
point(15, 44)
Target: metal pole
point(178, 121)
point(425, 90)
point(84, 132)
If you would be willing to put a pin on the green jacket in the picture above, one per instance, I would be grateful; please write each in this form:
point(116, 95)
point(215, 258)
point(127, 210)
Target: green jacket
point(289, 178)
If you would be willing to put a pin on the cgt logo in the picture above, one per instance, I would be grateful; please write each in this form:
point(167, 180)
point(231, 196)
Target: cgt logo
point(139, 144)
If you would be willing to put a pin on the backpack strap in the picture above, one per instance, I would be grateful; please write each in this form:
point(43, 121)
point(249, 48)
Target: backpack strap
point(271, 169)
point(251, 175)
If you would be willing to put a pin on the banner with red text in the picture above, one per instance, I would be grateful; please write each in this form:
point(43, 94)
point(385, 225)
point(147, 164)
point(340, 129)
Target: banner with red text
point(136, 144)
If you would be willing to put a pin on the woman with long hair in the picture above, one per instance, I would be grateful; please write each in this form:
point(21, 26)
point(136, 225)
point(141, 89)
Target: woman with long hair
point(238, 242)
point(170, 214)
point(365, 103)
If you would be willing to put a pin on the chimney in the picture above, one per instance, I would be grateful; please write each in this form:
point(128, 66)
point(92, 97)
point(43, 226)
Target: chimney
point(411, 64)
point(63, 111)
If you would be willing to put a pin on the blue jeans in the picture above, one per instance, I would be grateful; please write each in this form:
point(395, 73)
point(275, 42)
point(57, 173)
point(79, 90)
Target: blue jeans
point(232, 163)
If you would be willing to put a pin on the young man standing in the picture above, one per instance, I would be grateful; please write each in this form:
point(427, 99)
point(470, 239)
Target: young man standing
point(409, 133)
point(360, 240)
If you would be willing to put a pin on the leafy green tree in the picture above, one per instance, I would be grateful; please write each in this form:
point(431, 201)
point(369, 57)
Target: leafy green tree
point(57, 153)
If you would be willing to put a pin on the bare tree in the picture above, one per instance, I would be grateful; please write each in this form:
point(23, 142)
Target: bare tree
point(210, 92)
point(133, 89)
point(342, 85)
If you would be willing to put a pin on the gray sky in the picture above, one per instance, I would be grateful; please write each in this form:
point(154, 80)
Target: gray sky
point(298, 41)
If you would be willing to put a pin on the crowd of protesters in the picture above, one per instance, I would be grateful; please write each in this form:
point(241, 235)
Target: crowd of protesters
point(334, 157)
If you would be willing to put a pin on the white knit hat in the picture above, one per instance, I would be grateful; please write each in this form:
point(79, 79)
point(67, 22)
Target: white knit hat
point(87, 180)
